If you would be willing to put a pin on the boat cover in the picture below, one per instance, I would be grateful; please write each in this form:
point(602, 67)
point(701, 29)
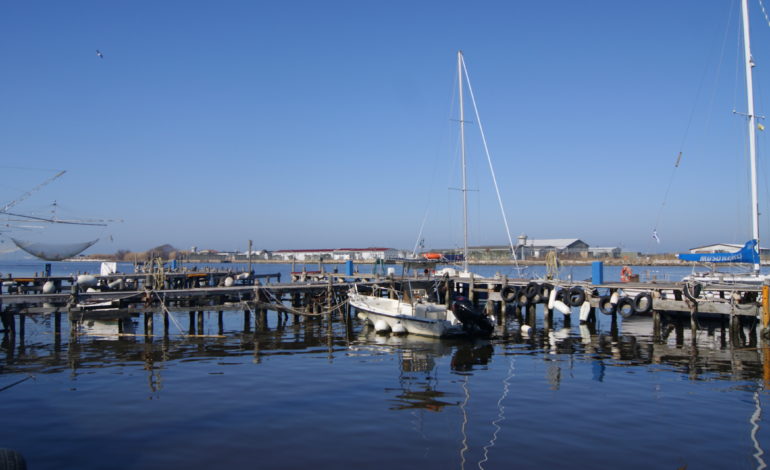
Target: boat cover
point(748, 254)
point(53, 251)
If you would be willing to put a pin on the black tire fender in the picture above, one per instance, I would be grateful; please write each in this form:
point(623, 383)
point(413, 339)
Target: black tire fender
point(643, 302)
point(576, 296)
point(532, 289)
point(509, 293)
point(605, 306)
point(625, 307)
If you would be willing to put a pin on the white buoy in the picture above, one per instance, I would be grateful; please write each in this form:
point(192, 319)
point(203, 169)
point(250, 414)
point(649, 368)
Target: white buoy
point(229, 281)
point(381, 326)
point(86, 280)
point(614, 298)
point(525, 329)
point(562, 307)
point(585, 309)
point(399, 329)
point(48, 287)
point(91, 289)
point(551, 298)
point(243, 276)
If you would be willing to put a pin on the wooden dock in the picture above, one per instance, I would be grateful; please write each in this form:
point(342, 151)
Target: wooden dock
point(325, 294)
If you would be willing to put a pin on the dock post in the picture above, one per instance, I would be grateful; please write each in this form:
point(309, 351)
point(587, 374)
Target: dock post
point(165, 324)
point(472, 291)
point(246, 321)
point(192, 323)
point(735, 330)
point(656, 326)
point(200, 322)
point(148, 324)
point(547, 317)
point(57, 324)
point(73, 329)
point(220, 322)
point(531, 315)
point(22, 328)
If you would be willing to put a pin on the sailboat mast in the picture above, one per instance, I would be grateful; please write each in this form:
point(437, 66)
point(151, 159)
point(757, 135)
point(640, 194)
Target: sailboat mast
point(462, 153)
point(749, 62)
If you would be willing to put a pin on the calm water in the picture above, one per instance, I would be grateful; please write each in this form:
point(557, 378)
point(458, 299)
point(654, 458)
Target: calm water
point(304, 395)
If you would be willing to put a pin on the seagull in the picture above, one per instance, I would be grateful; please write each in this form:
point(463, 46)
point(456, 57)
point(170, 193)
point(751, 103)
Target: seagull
point(99, 54)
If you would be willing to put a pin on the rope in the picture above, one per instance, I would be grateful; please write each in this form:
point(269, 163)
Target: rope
point(689, 124)
point(165, 309)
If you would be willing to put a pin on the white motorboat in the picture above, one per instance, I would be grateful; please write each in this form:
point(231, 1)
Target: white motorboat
point(417, 315)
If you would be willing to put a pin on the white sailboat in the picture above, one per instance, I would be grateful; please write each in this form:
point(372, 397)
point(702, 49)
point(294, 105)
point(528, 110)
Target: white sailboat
point(413, 312)
point(750, 253)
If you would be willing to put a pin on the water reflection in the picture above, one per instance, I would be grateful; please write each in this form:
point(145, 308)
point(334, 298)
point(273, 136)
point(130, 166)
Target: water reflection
point(707, 353)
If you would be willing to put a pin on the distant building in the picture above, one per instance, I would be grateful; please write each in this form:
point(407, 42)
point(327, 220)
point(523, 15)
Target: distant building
point(726, 248)
point(337, 254)
point(604, 252)
point(527, 248)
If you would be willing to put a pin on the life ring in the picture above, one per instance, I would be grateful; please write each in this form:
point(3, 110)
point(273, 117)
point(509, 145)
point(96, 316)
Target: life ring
point(606, 306)
point(643, 302)
point(625, 307)
point(625, 274)
point(575, 297)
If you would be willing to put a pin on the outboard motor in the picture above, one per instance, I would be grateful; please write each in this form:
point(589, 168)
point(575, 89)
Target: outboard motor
point(473, 321)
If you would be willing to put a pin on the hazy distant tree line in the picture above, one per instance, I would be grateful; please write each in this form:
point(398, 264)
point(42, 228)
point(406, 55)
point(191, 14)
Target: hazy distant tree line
point(166, 252)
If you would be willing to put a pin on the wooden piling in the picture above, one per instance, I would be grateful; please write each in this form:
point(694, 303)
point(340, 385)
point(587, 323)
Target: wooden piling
point(148, 324)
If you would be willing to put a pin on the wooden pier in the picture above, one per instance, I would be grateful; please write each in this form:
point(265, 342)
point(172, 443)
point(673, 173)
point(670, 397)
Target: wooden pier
point(325, 294)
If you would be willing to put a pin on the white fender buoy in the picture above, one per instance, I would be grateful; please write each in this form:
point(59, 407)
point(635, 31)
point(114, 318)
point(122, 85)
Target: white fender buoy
point(399, 329)
point(614, 298)
point(381, 326)
point(48, 287)
point(229, 281)
point(585, 309)
point(525, 329)
point(86, 280)
point(562, 307)
point(552, 298)
point(243, 276)
point(118, 283)
point(91, 289)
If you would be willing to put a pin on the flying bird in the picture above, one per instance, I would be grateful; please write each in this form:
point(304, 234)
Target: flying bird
point(99, 54)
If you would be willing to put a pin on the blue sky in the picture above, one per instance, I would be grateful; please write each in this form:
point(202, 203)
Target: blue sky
point(306, 124)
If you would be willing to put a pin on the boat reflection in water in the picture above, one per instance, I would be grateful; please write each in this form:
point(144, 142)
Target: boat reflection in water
point(418, 371)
